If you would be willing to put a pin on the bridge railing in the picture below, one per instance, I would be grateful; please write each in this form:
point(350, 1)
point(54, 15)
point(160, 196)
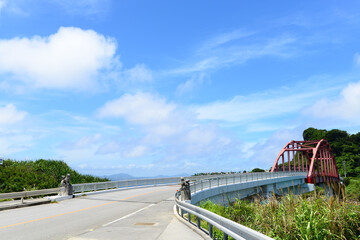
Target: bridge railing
point(87, 187)
point(217, 181)
point(228, 227)
point(25, 194)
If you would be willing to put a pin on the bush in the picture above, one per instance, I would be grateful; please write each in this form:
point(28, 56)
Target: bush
point(40, 174)
point(295, 217)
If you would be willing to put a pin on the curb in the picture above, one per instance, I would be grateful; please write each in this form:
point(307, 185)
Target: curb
point(25, 204)
point(191, 226)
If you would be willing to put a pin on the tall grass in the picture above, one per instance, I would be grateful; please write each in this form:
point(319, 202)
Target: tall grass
point(307, 217)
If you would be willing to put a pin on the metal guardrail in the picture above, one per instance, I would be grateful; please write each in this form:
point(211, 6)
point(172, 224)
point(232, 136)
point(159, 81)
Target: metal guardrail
point(228, 227)
point(217, 181)
point(25, 194)
point(87, 187)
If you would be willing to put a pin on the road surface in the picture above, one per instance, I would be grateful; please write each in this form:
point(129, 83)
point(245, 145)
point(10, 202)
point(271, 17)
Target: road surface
point(144, 213)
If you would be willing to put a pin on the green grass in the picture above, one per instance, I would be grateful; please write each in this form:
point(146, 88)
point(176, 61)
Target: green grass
point(307, 217)
point(353, 189)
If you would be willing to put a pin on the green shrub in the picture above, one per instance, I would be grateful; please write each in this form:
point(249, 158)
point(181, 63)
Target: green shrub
point(40, 174)
point(295, 217)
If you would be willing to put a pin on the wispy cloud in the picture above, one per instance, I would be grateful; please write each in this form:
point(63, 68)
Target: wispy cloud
point(140, 73)
point(190, 85)
point(84, 7)
point(222, 52)
point(222, 39)
point(261, 106)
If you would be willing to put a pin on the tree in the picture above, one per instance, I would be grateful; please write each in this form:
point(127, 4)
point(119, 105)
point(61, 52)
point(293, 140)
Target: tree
point(258, 170)
point(314, 134)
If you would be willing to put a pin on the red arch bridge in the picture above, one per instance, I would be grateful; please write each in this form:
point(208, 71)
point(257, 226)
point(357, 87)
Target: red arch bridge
point(314, 157)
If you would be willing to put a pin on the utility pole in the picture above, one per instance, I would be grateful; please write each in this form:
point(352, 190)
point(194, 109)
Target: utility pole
point(344, 164)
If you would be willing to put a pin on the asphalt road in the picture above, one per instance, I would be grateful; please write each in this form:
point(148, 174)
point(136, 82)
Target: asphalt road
point(142, 213)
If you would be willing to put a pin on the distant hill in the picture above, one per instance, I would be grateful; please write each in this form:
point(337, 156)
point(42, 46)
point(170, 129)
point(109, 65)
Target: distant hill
point(119, 176)
point(40, 174)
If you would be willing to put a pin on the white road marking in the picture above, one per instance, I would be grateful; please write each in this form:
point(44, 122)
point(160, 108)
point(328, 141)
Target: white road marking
point(129, 215)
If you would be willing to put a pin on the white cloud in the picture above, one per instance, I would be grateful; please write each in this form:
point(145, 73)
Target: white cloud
point(10, 115)
point(190, 85)
point(162, 128)
point(72, 58)
point(346, 107)
point(139, 73)
point(137, 151)
point(83, 142)
point(140, 108)
point(2, 4)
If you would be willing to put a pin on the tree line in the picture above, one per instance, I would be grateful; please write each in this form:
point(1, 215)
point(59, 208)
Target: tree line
point(40, 174)
point(345, 146)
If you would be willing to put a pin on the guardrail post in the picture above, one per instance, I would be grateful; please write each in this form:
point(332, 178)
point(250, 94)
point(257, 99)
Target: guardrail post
point(198, 223)
point(210, 230)
point(225, 236)
point(22, 198)
point(218, 181)
point(210, 183)
point(201, 184)
point(189, 217)
point(106, 185)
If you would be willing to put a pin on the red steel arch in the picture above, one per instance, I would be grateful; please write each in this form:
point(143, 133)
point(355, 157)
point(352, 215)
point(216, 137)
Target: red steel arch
point(314, 157)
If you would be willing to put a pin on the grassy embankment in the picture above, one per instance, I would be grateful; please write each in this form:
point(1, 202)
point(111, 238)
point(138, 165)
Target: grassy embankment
point(40, 174)
point(311, 216)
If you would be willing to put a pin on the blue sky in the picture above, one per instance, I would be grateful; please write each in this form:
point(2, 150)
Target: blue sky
point(168, 87)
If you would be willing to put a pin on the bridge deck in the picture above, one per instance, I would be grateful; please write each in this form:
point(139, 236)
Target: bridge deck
point(132, 214)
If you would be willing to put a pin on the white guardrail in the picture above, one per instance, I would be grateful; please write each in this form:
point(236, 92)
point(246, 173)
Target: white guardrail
point(25, 194)
point(216, 181)
point(228, 227)
point(87, 187)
